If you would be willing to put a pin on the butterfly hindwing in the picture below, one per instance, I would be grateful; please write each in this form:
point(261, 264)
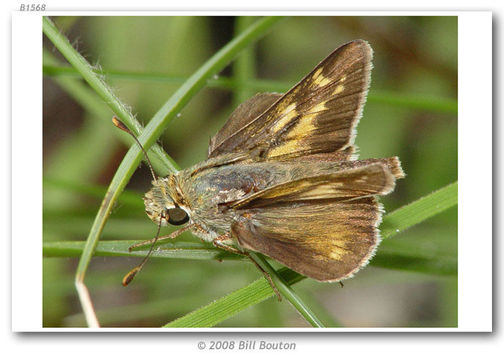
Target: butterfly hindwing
point(327, 241)
point(318, 115)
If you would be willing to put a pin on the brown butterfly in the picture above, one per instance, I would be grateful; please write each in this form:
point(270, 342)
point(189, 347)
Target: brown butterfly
point(282, 177)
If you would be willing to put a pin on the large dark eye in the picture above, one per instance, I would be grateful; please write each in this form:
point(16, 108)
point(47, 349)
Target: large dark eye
point(177, 216)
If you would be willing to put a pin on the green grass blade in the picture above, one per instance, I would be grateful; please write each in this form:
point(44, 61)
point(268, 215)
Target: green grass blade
point(82, 94)
point(387, 257)
point(244, 66)
point(420, 210)
point(429, 103)
point(228, 306)
point(174, 250)
point(287, 292)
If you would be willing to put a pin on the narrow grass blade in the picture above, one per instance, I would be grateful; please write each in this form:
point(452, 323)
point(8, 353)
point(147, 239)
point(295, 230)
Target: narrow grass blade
point(419, 210)
point(428, 103)
point(244, 66)
point(386, 257)
point(228, 306)
point(287, 292)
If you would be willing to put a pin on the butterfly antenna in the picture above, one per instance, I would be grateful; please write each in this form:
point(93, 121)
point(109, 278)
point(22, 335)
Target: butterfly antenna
point(118, 123)
point(131, 275)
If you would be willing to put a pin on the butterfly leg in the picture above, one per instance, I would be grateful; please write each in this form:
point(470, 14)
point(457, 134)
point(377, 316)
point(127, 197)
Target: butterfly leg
point(172, 235)
point(220, 242)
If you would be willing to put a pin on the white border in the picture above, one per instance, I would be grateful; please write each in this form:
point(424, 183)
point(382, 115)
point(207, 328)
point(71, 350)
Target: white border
point(475, 217)
point(26, 190)
point(475, 172)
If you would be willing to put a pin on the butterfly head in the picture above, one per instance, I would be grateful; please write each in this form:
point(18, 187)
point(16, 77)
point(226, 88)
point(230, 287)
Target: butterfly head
point(162, 204)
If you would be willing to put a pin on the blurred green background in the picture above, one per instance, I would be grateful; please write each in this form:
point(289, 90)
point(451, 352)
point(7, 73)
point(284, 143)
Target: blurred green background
point(144, 60)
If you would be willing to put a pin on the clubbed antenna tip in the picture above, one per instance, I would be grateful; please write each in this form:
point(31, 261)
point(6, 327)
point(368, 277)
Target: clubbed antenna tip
point(130, 276)
point(118, 123)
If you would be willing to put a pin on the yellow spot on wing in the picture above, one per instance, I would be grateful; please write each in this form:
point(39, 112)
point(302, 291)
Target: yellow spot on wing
point(321, 80)
point(337, 254)
point(317, 74)
point(306, 123)
point(319, 107)
point(289, 147)
point(304, 127)
point(325, 191)
point(293, 144)
point(338, 89)
point(284, 121)
point(288, 109)
point(287, 115)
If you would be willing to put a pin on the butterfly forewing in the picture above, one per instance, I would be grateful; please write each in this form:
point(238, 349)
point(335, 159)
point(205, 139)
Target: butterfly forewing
point(241, 117)
point(318, 115)
point(374, 178)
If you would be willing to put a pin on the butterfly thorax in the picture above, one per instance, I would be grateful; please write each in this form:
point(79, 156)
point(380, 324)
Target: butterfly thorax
point(208, 193)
